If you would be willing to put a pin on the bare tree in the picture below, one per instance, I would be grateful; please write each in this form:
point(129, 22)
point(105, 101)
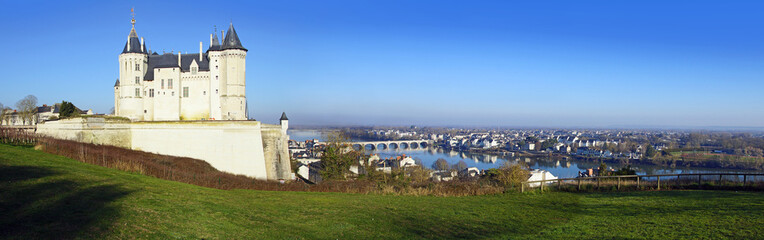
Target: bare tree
point(441, 165)
point(461, 165)
point(27, 108)
point(2, 113)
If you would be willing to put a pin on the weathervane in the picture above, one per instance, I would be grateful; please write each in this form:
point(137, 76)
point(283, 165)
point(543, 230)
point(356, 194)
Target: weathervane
point(132, 13)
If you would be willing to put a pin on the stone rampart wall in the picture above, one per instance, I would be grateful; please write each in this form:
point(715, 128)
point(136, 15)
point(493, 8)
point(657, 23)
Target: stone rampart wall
point(240, 147)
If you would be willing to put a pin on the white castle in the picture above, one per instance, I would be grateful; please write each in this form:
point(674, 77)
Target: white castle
point(207, 85)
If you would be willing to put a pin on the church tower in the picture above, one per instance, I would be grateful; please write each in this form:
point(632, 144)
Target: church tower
point(232, 79)
point(132, 68)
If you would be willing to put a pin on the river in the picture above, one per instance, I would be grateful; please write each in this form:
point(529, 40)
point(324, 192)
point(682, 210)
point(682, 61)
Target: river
point(567, 168)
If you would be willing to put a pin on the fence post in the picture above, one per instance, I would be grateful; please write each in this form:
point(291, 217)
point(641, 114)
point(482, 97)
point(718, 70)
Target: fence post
point(720, 179)
point(598, 183)
point(659, 182)
point(579, 184)
point(522, 187)
point(677, 181)
point(637, 182)
point(559, 184)
point(699, 182)
point(744, 179)
point(618, 187)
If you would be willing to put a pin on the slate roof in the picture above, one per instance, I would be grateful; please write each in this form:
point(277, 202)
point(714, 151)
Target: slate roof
point(116, 83)
point(215, 46)
point(53, 109)
point(135, 43)
point(283, 116)
point(231, 40)
point(169, 60)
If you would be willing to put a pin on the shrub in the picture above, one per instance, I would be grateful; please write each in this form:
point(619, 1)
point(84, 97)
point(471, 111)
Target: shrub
point(509, 175)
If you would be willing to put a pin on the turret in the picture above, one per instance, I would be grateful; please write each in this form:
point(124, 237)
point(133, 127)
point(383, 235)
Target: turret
point(232, 77)
point(214, 53)
point(133, 62)
point(284, 121)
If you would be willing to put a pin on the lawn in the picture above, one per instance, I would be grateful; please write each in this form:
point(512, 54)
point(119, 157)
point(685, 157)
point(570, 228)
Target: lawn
point(48, 196)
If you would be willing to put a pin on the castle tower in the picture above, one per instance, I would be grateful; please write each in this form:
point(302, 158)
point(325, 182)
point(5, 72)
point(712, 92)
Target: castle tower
point(284, 122)
point(232, 79)
point(132, 67)
point(215, 53)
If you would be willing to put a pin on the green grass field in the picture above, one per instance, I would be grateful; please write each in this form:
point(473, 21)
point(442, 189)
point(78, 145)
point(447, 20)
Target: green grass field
point(47, 196)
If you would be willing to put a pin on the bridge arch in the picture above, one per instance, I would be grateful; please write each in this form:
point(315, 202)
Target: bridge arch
point(357, 147)
point(423, 144)
point(414, 145)
point(393, 146)
point(369, 146)
point(404, 145)
point(381, 146)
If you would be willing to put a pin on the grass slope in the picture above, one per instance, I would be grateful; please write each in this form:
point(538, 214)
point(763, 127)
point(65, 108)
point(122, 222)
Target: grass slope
point(47, 196)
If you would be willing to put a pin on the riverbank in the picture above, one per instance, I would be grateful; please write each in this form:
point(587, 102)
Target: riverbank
point(727, 162)
point(51, 196)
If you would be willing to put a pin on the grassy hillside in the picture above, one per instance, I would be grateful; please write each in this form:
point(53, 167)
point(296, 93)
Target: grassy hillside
point(47, 196)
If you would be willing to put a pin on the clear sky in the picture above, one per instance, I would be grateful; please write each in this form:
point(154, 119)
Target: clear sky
point(481, 63)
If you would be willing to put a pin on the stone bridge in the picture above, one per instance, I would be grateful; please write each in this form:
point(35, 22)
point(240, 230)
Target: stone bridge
point(400, 144)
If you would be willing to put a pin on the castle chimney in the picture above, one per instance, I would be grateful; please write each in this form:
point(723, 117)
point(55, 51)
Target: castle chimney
point(141, 44)
point(200, 51)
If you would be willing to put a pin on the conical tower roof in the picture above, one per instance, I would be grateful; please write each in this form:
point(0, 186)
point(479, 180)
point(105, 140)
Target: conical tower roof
point(134, 42)
point(283, 116)
point(215, 45)
point(231, 40)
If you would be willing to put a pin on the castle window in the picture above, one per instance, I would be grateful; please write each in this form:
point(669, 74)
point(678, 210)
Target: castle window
point(137, 92)
point(204, 93)
point(137, 67)
point(194, 70)
point(162, 83)
point(151, 92)
point(185, 91)
point(172, 93)
point(216, 66)
point(137, 80)
point(169, 83)
point(216, 91)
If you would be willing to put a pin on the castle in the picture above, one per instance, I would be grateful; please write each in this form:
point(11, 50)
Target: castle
point(158, 92)
point(207, 85)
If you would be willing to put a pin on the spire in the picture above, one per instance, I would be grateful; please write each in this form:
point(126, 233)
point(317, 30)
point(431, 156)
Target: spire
point(116, 83)
point(134, 44)
point(214, 44)
point(284, 117)
point(231, 40)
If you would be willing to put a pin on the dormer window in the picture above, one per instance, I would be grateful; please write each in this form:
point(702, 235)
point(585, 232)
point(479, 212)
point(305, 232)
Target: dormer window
point(194, 70)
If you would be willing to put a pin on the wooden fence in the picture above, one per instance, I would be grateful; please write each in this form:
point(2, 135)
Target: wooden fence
point(669, 180)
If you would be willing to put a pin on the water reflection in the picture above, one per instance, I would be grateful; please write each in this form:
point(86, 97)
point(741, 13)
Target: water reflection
point(563, 168)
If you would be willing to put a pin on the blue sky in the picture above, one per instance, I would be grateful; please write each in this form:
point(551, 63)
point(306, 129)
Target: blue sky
point(476, 63)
